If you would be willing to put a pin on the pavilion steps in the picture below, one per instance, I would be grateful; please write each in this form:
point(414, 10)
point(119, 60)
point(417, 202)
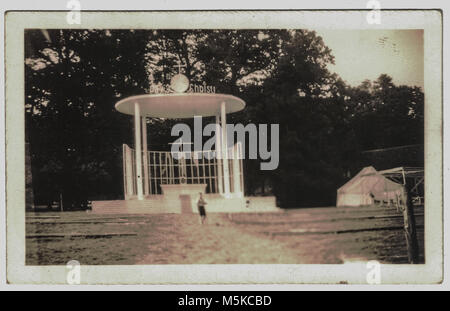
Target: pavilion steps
point(160, 204)
point(147, 206)
point(266, 203)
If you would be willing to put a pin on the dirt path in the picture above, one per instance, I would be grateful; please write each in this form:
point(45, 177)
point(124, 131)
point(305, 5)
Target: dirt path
point(219, 242)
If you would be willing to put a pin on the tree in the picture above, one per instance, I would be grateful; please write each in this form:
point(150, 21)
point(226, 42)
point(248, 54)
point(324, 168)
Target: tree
point(386, 115)
point(302, 96)
point(73, 80)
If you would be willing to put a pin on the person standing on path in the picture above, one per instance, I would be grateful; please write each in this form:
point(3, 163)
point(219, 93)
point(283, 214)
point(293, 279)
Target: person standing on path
point(201, 208)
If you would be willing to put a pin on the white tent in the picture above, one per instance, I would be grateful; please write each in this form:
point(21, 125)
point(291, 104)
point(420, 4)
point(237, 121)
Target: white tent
point(367, 187)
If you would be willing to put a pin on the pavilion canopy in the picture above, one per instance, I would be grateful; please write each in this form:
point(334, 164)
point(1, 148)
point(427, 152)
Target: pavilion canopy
point(180, 105)
point(368, 185)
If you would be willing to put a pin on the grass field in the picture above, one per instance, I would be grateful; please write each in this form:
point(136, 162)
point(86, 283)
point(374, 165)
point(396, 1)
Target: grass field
point(314, 235)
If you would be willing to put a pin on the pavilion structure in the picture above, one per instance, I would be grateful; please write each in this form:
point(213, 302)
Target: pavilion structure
point(159, 181)
point(149, 173)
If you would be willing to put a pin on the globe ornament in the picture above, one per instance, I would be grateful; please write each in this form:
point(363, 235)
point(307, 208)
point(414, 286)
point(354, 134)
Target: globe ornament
point(179, 83)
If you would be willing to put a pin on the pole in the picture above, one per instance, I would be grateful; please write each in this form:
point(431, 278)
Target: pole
point(145, 155)
point(137, 143)
point(226, 173)
point(219, 155)
point(410, 227)
point(241, 167)
point(128, 171)
point(236, 175)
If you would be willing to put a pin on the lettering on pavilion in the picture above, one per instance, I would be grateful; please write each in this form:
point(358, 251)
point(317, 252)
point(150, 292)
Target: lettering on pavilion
point(193, 88)
point(179, 83)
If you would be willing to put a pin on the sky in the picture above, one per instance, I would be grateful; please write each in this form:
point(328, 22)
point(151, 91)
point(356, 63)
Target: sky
point(365, 54)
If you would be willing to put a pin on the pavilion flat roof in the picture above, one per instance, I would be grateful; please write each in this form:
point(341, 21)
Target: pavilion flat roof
point(180, 105)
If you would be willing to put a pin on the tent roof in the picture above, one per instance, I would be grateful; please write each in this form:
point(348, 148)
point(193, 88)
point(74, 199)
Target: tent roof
point(364, 171)
point(368, 180)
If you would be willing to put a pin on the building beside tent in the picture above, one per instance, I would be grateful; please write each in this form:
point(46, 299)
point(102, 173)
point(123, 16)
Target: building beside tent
point(369, 187)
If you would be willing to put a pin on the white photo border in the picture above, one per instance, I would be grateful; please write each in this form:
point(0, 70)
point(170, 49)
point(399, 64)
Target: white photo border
point(429, 273)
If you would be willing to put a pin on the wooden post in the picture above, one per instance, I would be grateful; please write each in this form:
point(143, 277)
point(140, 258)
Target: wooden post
point(410, 227)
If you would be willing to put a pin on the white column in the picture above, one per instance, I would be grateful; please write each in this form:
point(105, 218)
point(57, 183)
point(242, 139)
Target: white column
point(236, 173)
point(137, 144)
point(219, 154)
point(145, 154)
point(226, 174)
point(128, 171)
point(241, 167)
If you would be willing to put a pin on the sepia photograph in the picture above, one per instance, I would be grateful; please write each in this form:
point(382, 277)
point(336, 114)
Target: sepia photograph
point(226, 145)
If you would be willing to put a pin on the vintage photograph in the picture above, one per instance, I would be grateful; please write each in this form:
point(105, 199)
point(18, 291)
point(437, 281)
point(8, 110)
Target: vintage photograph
point(224, 146)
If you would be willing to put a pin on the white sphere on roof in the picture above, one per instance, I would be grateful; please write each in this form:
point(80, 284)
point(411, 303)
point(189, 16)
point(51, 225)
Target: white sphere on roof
point(179, 83)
